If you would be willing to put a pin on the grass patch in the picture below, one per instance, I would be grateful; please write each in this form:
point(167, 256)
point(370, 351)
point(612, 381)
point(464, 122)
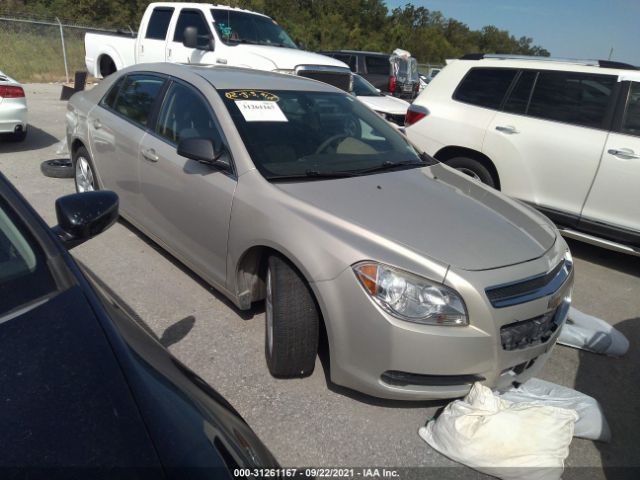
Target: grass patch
point(33, 53)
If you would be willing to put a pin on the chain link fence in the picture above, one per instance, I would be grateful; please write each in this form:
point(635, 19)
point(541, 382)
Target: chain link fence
point(42, 49)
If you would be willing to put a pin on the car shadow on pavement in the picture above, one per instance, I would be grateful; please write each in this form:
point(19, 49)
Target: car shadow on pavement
point(607, 258)
point(256, 308)
point(36, 139)
point(615, 383)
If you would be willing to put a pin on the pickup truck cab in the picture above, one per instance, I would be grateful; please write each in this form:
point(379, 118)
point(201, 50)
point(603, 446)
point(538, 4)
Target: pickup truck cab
point(210, 34)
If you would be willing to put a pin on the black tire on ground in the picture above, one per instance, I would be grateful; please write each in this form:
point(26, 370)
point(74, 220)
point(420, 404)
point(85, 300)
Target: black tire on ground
point(473, 168)
point(82, 152)
point(295, 321)
point(60, 168)
point(18, 136)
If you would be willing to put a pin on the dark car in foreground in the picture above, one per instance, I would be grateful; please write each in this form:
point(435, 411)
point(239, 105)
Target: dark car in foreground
point(85, 391)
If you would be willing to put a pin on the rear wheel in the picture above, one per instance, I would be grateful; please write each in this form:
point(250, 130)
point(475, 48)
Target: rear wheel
point(84, 174)
point(18, 136)
point(291, 321)
point(472, 168)
point(107, 66)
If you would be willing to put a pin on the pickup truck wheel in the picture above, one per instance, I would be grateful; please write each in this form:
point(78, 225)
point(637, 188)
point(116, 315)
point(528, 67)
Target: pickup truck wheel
point(107, 66)
point(473, 168)
point(84, 173)
point(291, 321)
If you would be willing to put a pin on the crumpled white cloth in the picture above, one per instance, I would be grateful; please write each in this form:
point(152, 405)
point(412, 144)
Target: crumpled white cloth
point(592, 334)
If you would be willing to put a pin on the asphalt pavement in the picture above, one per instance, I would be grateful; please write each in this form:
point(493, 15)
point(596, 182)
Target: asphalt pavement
point(310, 422)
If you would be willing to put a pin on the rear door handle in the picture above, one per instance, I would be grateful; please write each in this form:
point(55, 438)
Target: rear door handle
point(97, 124)
point(626, 153)
point(150, 155)
point(507, 129)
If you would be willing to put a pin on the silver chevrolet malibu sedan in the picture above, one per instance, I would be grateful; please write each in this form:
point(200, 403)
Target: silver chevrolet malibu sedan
point(283, 189)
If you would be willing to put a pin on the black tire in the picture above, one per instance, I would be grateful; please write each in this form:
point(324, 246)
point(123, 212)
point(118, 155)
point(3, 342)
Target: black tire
point(107, 66)
point(82, 153)
point(295, 321)
point(18, 136)
point(473, 168)
point(59, 168)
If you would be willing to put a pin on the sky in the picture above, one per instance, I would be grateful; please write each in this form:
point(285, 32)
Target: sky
point(581, 29)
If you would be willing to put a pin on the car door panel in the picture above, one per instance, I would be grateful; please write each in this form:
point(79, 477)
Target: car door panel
point(151, 46)
point(615, 194)
point(186, 204)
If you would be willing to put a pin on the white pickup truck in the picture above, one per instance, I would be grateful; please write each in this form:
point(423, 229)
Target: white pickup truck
point(210, 34)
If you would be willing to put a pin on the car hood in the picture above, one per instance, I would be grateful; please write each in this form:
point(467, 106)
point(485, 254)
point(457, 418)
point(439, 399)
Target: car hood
point(288, 58)
point(385, 104)
point(436, 212)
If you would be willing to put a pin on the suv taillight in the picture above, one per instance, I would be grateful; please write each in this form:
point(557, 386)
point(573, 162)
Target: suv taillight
point(392, 84)
point(11, 91)
point(414, 114)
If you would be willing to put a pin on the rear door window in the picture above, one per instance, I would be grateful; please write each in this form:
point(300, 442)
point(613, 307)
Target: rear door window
point(137, 96)
point(378, 65)
point(518, 101)
point(159, 23)
point(109, 100)
point(571, 97)
point(631, 119)
point(485, 87)
point(348, 59)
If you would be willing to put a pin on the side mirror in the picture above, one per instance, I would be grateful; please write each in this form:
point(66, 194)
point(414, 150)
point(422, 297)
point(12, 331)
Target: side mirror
point(190, 37)
point(203, 150)
point(82, 216)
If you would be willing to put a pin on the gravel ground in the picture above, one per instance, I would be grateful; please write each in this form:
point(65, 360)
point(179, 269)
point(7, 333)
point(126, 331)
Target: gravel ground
point(309, 422)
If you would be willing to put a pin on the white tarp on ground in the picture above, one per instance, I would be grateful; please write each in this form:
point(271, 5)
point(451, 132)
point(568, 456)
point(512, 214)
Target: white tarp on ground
point(591, 422)
point(524, 441)
point(593, 334)
point(62, 148)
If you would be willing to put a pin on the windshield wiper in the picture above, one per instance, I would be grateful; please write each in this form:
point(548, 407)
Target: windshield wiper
point(389, 165)
point(313, 175)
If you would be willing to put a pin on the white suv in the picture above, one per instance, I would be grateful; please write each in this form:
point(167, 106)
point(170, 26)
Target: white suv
point(563, 136)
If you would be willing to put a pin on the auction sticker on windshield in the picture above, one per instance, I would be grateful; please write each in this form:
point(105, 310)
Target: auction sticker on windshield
point(260, 111)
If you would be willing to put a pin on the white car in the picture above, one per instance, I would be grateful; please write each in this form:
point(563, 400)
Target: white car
point(393, 109)
point(13, 109)
point(562, 136)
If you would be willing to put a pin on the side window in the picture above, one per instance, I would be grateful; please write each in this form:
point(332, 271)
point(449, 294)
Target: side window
point(191, 18)
point(185, 114)
point(485, 87)
point(631, 119)
point(159, 23)
point(24, 275)
point(109, 99)
point(518, 101)
point(137, 96)
point(348, 59)
point(570, 97)
point(377, 65)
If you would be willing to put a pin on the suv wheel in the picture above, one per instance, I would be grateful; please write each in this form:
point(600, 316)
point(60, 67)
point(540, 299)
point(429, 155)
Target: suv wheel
point(473, 168)
point(291, 321)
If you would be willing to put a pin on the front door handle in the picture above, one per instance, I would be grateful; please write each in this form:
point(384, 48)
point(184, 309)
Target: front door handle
point(507, 129)
point(625, 153)
point(150, 155)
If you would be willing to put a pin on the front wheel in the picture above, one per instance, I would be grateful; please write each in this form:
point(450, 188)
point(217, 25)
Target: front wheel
point(84, 174)
point(291, 321)
point(472, 168)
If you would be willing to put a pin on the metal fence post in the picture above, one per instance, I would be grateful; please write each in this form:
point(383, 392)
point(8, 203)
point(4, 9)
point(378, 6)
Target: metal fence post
point(64, 51)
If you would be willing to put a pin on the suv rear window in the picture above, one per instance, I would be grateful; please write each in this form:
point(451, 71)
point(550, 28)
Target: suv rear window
point(377, 64)
point(570, 97)
point(485, 87)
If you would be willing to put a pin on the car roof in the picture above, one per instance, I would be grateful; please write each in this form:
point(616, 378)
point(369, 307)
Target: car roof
point(360, 52)
point(203, 6)
point(548, 63)
point(224, 78)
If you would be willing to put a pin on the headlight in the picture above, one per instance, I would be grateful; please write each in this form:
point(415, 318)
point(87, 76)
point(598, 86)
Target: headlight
point(285, 70)
point(411, 298)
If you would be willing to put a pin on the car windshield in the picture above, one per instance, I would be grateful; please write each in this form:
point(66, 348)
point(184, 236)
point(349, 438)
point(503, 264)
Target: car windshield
point(304, 134)
point(362, 88)
point(24, 274)
point(235, 27)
